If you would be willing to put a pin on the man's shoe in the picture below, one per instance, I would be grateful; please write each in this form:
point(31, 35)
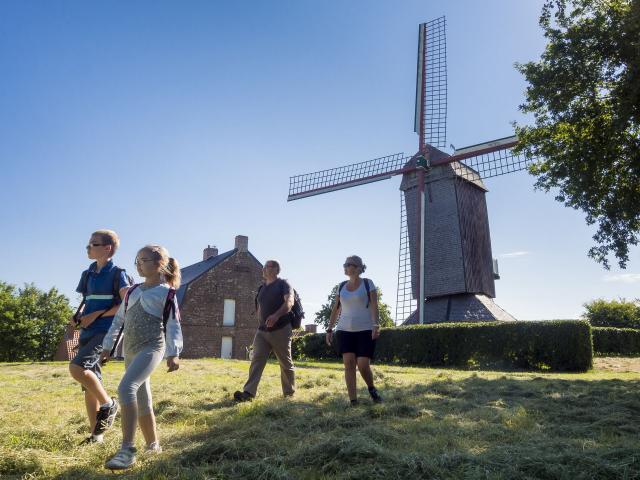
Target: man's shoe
point(153, 448)
point(123, 459)
point(239, 396)
point(375, 396)
point(105, 417)
point(90, 440)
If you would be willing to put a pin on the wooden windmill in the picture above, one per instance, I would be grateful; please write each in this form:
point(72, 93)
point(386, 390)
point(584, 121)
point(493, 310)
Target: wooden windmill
point(446, 269)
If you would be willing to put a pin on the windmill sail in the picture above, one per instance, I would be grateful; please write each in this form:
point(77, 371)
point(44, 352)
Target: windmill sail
point(430, 121)
point(316, 183)
point(486, 160)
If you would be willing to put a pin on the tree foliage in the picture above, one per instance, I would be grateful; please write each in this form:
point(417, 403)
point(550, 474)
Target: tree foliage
point(584, 94)
point(614, 313)
point(32, 322)
point(323, 315)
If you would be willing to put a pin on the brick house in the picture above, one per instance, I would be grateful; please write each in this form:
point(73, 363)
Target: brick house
point(216, 301)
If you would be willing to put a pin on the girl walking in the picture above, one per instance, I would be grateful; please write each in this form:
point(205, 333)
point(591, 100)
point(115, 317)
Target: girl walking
point(149, 321)
point(358, 326)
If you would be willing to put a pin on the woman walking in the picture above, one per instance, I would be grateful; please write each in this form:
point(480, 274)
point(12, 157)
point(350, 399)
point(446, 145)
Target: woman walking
point(358, 327)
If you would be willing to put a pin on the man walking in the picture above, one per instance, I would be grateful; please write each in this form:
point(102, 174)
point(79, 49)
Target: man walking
point(274, 301)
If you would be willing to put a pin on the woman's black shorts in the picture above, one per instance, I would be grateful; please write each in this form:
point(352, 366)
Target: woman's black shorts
point(359, 343)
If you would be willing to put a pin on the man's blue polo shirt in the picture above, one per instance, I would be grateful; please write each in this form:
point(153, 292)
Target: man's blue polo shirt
point(99, 295)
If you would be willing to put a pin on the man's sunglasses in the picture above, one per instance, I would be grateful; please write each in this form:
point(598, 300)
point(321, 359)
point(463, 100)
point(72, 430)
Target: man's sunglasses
point(97, 245)
point(345, 265)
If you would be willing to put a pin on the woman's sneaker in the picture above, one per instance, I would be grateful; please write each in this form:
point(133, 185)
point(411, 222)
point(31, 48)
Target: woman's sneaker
point(375, 396)
point(105, 417)
point(123, 459)
point(153, 448)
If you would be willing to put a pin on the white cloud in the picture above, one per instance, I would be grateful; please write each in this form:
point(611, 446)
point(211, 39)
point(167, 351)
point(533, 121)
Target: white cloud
point(514, 254)
point(623, 278)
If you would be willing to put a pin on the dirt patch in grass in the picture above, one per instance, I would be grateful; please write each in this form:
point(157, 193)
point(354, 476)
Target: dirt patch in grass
point(617, 364)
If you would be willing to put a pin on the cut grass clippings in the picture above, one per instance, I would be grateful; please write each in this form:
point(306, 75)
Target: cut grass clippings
point(434, 423)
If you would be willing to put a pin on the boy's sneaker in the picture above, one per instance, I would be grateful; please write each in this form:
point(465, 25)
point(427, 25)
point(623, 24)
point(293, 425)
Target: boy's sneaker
point(239, 396)
point(375, 396)
point(105, 417)
point(123, 459)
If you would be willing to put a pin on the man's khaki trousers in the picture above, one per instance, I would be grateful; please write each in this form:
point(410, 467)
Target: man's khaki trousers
point(278, 341)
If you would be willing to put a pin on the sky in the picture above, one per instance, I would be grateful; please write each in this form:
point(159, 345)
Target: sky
point(180, 123)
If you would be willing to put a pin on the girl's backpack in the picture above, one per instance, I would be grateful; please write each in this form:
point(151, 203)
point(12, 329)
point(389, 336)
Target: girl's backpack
point(169, 306)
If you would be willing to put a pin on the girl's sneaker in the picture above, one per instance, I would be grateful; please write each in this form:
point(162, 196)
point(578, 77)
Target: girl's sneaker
point(123, 459)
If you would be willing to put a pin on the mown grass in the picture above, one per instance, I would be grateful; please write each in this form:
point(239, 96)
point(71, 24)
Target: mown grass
point(433, 424)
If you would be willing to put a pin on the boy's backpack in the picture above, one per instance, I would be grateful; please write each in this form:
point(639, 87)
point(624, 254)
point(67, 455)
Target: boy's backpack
point(366, 287)
point(295, 315)
point(115, 290)
point(169, 306)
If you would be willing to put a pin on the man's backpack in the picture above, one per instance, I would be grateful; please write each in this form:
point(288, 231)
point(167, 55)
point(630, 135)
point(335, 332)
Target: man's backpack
point(366, 287)
point(115, 290)
point(169, 306)
point(295, 315)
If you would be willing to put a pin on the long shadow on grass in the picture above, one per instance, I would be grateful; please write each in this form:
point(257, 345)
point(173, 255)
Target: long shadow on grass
point(442, 428)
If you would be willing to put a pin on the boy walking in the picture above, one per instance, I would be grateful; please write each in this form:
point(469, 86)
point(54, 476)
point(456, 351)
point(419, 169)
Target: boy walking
point(103, 286)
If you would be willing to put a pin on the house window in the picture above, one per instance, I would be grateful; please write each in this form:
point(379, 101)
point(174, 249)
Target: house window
point(229, 316)
point(227, 347)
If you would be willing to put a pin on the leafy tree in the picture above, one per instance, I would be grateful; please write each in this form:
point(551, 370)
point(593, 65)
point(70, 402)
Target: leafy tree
point(615, 313)
point(584, 94)
point(323, 315)
point(32, 322)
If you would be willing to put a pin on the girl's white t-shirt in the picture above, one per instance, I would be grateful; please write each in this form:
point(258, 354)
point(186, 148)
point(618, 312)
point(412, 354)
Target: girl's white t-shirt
point(354, 314)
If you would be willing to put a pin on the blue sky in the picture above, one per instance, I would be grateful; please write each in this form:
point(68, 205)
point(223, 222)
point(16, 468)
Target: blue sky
point(180, 123)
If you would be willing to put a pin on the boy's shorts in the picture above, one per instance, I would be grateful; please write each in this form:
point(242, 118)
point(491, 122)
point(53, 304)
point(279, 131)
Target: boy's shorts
point(88, 356)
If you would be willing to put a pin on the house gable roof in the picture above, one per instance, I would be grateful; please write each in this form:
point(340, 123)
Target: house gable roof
point(193, 272)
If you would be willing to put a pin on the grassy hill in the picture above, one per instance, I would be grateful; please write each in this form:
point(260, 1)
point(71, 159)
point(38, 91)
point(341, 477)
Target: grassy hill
point(433, 424)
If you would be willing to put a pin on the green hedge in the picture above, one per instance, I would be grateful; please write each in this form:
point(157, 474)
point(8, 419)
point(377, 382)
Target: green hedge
point(616, 341)
point(559, 345)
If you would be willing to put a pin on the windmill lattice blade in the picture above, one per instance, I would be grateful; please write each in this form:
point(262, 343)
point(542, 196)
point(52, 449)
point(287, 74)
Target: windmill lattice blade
point(431, 86)
point(405, 303)
point(316, 183)
point(496, 163)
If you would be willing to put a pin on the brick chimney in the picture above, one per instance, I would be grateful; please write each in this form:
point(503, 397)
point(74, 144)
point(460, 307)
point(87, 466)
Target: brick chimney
point(209, 252)
point(242, 243)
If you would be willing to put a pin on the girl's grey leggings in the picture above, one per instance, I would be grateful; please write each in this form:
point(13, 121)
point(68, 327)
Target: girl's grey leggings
point(135, 385)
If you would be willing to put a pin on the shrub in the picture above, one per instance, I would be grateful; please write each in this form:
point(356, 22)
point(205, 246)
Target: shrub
point(559, 345)
point(32, 322)
point(616, 341)
point(615, 313)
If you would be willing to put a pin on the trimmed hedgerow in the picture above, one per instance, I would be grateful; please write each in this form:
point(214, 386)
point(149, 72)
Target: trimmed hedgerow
point(558, 345)
point(616, 341)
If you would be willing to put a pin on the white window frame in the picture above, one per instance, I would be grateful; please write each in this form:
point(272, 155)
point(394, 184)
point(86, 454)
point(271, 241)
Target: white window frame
point(229, 313)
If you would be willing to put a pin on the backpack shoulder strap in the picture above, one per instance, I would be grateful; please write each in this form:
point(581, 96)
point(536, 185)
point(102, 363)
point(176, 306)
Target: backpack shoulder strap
point(367, 288)
point(169, 306)
point(342, 284)
point(126, 305)
point(255, 300)
point(126, 296)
